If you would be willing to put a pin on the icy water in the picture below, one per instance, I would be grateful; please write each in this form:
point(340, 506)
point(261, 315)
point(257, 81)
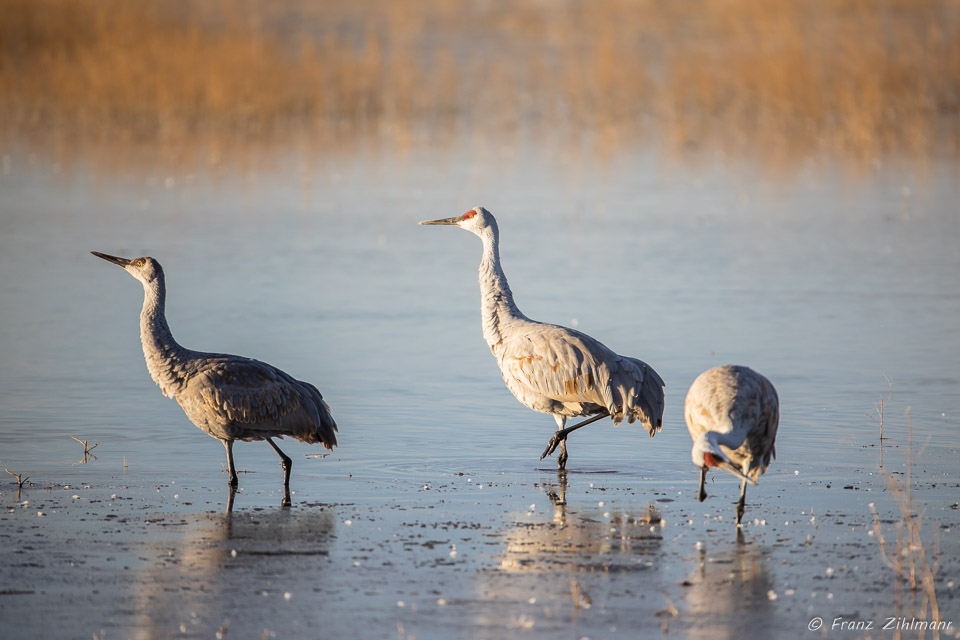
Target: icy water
point(434, 518)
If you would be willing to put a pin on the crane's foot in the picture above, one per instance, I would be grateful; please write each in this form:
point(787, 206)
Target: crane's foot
point(231, 467)
point(740, 510)
point(286, 464)
point(558, 441)
point(559, 438)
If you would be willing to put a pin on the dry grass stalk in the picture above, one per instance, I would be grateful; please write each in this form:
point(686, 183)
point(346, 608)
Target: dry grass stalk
point(200, 82)
point(878, 418)
point(908, 556)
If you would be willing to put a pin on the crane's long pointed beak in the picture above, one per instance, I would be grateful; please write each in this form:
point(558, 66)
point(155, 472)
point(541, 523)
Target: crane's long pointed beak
point(453, 221)
point(732, 468)
point(114, 259)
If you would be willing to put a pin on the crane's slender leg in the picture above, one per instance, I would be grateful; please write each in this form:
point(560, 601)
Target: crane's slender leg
point(742, 501)
point(562, 456)
point(231, 468)
point(287, 465)
point(230, 496)
point(559, 439)
point(701, 492)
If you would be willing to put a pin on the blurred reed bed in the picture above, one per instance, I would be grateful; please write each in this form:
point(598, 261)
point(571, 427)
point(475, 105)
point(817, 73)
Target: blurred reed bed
point(223, 80)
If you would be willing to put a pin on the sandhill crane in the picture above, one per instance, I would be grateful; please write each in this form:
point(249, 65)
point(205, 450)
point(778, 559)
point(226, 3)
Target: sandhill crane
point(732, 413)
point(553, 369)
point(229, 397)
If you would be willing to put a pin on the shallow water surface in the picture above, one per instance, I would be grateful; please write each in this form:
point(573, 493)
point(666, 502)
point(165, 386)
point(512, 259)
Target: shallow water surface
point(434, 518)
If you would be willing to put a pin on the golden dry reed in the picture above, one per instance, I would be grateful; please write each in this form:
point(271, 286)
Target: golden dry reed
point(205, 81)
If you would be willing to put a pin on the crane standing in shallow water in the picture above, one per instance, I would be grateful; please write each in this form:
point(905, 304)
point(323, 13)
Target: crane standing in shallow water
point(553, 369)
point(229, 397)
point(732, 413)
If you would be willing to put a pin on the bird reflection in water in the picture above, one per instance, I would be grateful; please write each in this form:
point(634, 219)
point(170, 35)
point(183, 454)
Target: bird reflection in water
point(583, 537)
point(207, 571)
point(730, 591)
point(577, 555)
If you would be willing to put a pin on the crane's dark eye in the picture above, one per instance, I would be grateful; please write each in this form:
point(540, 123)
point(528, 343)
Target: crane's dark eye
point(140, 262)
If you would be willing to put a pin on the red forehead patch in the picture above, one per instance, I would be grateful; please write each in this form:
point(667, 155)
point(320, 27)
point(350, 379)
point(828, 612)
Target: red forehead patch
point(710, 460)
point(469, 214)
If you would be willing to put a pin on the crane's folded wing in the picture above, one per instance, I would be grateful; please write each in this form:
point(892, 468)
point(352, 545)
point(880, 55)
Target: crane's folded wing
point(558, 370)
point(247, 399)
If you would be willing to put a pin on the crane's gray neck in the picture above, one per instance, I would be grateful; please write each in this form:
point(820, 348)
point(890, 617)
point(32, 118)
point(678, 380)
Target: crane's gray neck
point(731, 440)
point(163, 354)
point(497, 307)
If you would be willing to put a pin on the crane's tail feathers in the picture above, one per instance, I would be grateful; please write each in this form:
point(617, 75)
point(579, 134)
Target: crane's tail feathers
point(327, 429)
point(324, 427)
point(646, 401)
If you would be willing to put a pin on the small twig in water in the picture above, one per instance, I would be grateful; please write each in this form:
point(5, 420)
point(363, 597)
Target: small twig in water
point(20, 479)
point(666, 615)
point(580, 597)
point(86, 448)
point(878, 418)
point(671, 609)
point(239, 471)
